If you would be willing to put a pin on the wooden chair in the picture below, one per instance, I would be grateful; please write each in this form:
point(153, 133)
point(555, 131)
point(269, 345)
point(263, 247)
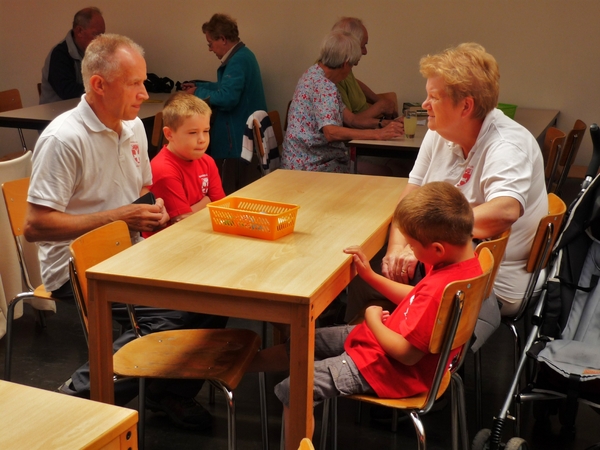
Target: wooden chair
point(552, 151)
point(572, 144)
point(9, 100)
point(539, 255)
point(259, 145)
point(220, 356)
point(497, 247)
point(455, 322)
point(15, 197)
point(306, 444)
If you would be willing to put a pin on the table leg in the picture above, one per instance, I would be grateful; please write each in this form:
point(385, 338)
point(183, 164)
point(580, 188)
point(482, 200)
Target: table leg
point(302, 334)
point(353, 160)
point(100, 343)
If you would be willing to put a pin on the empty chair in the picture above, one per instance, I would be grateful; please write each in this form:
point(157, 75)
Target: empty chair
point(18, 253)
point(552, 152)
point(454, 325)
point(10, 100)
point(572, 144)
point(220, 356)
point(539, 255)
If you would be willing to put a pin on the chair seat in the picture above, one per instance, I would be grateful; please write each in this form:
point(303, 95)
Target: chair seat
point(222, 355)
point(414, 402)
point(41, 292)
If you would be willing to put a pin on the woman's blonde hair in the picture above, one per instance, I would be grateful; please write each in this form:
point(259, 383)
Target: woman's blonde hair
point(435, 212)
point(468, 71)
point(181, 106)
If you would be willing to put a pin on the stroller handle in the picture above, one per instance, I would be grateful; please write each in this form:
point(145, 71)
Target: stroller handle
point(592, 170)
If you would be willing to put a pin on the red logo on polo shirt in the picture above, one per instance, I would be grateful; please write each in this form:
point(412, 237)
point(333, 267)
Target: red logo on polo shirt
point(465, 177)
point(135, 152)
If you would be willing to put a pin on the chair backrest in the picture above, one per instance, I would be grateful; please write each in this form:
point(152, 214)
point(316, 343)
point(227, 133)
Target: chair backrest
point(10, 99)
point(552, 152)
point(546, 234)
point(258, 141)
point(20, 264)
point(497, 247)
point(462, 297)
point(306, 444)
point(287, 114)
point(572, 144)
point(90, 249)
point(276, 122)
point(157, 131)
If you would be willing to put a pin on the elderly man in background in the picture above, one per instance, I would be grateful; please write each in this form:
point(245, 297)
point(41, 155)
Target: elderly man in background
point(89, 165)
point(236, 95)
point(319, 122)
point(357, 96)
point(61, 74)
point(493, 160)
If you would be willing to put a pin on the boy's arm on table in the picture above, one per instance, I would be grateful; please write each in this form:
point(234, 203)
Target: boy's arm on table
point(392, 290)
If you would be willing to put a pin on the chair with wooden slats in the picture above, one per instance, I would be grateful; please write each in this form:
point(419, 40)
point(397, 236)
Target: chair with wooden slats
point(220, 356)
point(15, 197)
point(454, 325)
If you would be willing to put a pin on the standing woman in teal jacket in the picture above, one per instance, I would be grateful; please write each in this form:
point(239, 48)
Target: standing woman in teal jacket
point(236, 95)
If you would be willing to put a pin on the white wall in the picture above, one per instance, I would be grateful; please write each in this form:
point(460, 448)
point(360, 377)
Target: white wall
point(548, 50)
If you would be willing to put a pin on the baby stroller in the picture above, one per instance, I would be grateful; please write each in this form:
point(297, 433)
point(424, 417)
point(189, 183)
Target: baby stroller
point(565, 329)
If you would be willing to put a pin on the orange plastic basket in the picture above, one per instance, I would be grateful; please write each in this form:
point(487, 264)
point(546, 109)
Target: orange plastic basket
point(254, 218)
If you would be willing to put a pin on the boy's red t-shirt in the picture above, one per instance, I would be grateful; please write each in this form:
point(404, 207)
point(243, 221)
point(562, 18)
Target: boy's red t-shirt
point(413, 319)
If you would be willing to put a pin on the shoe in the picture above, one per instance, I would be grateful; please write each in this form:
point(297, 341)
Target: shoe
point(67, 388)
point(183, 411)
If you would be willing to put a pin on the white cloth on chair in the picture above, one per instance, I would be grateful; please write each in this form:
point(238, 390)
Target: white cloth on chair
point(270, 160)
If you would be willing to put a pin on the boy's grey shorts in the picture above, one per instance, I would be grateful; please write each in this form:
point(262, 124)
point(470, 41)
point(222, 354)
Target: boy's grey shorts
point(335, 372)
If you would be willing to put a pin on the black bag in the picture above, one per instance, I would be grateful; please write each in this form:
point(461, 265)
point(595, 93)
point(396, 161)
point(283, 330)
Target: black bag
point(156, 84)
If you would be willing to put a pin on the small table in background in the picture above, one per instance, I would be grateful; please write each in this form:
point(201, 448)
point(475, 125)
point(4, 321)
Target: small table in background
point(537, 121)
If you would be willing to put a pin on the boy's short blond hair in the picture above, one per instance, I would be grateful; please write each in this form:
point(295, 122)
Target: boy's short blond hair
point(435, 212)
point(181, 106)
point(468, 71)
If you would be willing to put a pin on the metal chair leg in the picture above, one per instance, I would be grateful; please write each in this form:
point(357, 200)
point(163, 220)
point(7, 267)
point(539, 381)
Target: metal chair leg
point(263, 410)
point(141, 412)
point(421, 439)
point(9, 323)
point(478, 388)
point(325, 423)
point(231, 431)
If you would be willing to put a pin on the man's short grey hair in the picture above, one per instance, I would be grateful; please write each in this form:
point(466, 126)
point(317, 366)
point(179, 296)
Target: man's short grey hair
point(84, 17)
point(338, 48)
point(351, 25)
point(100, 58)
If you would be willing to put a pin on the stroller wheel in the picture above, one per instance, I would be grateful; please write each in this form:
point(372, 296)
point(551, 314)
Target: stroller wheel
point(516, 443)
point(481, 441)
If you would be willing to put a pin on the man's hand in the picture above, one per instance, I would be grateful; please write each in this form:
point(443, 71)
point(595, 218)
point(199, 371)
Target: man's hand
point(142, 217)
point(399, 264)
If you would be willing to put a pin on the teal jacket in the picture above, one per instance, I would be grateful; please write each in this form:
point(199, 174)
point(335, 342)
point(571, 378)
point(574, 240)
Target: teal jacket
point(236, 95)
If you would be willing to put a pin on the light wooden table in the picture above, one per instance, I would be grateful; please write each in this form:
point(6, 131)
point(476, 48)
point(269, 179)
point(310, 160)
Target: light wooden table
point(537, 121)
point(37, 419)
point(290, 280)
point(39, 116)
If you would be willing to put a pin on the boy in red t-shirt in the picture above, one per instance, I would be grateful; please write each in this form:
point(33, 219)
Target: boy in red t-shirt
point(182, 174)
point(387, 355)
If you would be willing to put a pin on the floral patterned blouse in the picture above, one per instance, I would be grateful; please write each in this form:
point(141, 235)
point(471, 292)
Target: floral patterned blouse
point(316, 103)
